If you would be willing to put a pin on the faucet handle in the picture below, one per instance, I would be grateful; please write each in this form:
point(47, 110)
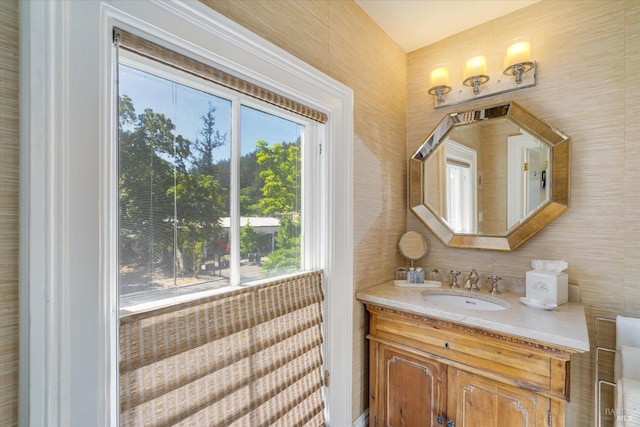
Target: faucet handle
point(454, 278)
point(494, 284)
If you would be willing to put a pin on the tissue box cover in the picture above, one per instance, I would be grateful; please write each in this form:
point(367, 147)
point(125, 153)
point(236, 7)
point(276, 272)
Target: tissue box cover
point(551, 287)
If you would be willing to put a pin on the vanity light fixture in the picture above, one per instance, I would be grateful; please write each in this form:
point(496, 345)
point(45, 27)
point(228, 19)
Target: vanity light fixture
point(518, 61)
point(484, 81)
point(439, 84)
point(475, 72)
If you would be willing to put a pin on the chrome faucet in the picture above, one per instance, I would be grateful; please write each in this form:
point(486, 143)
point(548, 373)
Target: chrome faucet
point(472, 281)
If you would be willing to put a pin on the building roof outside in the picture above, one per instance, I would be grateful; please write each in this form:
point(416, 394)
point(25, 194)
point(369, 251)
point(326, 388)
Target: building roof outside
point(255, 221)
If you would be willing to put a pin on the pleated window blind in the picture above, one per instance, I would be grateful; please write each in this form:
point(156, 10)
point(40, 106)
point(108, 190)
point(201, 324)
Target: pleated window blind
point(250, 357)
point(176, 60)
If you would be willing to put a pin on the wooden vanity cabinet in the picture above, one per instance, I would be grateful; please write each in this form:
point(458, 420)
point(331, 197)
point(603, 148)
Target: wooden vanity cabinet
point(431, 372)
point(480, 402)
point(410, 389)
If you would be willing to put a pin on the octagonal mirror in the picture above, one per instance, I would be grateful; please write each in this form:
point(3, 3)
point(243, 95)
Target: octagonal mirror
point(490, 178)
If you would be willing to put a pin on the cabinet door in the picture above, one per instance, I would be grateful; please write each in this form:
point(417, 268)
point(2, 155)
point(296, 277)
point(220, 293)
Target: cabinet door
point(481, 402)
point(411, 389)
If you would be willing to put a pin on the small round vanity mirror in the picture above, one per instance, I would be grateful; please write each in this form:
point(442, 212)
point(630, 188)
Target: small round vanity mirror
point(412, 246)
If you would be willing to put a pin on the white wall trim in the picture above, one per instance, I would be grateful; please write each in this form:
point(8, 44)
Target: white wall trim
point(43, 331)
point(67, 338)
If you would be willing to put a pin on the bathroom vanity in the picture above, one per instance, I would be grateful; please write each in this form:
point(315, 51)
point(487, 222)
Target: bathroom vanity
point(438, 363)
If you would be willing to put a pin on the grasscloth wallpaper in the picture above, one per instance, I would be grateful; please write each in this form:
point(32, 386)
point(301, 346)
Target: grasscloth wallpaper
point(9, 213)
point(588, 54)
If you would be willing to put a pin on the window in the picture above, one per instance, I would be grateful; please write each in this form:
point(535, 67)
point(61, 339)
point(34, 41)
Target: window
point(210, 197)
point(188, 195)
point(71, 195)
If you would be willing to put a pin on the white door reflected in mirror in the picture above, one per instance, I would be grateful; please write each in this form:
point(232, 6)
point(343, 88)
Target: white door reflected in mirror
point(461, 170)
point(527, 171)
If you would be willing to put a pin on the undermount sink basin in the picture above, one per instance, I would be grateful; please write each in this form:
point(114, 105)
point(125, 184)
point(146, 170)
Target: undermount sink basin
point(466, 300)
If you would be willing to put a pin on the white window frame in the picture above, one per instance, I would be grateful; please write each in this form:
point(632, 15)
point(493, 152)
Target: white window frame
point(313, 133)
point(68, 301)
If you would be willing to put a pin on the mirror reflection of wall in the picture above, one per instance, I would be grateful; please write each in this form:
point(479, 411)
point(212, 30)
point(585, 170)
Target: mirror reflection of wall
point(494, 134)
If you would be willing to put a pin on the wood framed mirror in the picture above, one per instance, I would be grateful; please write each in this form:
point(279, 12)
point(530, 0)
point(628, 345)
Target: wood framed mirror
point(490, 178)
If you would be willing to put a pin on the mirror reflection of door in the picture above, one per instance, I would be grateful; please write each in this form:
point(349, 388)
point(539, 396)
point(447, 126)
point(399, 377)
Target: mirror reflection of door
point(461, 185)
point(528, 176)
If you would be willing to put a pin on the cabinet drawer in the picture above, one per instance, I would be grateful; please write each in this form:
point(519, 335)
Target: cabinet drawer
point(524, 364)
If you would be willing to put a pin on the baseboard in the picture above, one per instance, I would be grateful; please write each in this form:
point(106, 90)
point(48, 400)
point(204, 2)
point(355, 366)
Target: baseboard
point(363, 420)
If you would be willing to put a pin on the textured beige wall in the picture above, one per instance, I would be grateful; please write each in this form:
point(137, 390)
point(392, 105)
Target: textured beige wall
point(588, 55)
point(9, 213)
point(338, 38)
point(588, 86)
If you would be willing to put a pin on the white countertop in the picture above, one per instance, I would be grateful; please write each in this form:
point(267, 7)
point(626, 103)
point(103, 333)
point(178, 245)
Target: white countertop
point(565, 326)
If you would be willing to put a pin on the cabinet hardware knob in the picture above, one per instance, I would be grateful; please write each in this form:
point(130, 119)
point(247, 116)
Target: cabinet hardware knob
point(446, 345)
point(450, 423)
point(440, 419)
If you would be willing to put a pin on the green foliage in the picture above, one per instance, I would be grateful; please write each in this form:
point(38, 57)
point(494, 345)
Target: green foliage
point(199, 199)
point(282, 261)
point(280, 169)
point(249, 239)
point(173, 187)
point(126, 113)
point(194, 251)
point(145, 174)
point(286, 258)
point(288, 234)
point(210, 139)
point(160, 197)
point(250, 183)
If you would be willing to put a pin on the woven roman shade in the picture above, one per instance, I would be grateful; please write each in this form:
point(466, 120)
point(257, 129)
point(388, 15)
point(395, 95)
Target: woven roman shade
point(250, 357)
point(176, 60)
